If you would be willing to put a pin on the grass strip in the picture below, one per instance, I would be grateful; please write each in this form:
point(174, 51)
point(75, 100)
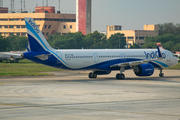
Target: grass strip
point(24, 68)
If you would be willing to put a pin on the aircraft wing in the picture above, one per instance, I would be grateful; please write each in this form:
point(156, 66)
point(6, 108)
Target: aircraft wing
point(131, 64)
point(135, 63)
point(13, 54)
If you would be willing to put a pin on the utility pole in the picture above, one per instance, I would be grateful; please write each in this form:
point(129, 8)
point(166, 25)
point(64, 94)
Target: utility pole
point(59, 5)
point(46, 2)
point(1, 3)
point(21, 6)
point(12, 6)
point(24, 5)
point(43, 5)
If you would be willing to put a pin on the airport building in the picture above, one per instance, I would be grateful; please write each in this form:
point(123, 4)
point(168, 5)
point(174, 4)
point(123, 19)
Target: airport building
point(45, 17)
point(83, 16)
point(133, 36)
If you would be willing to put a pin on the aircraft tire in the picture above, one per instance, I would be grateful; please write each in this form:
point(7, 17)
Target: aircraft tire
point(120, 76)
point(94, 75)
point(161, 74)
point(90, 75)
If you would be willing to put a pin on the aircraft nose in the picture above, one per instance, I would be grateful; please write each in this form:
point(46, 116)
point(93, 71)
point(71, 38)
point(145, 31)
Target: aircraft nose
point(176, 61)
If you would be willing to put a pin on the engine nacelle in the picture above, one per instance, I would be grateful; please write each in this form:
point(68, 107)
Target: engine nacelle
point(102, 72)
point(144, 70)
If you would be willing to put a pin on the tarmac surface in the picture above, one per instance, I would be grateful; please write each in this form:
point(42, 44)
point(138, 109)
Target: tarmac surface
point(70, 95)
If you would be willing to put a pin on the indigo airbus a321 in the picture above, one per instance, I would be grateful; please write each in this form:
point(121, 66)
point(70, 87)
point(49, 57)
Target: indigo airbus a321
point(100, 61)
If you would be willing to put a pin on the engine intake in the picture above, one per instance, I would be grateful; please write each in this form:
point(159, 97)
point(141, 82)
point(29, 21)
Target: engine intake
point(144, 70)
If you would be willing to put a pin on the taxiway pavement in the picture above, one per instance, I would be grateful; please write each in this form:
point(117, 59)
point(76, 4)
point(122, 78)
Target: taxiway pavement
point(73, 96)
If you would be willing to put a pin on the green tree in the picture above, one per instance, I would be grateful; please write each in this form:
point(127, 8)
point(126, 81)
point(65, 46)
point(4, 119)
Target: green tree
point(95, 40)
point(135, 46)
point(3, 44)
point(169, 28)
point(117, 41)
point(16, 43)
point(177, 47)
point(168, 41)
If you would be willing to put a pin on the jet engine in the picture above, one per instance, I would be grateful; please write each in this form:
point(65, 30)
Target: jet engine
point(144, 70)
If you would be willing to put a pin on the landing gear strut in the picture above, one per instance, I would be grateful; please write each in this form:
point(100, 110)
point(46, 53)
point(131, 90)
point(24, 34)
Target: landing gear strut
point(92, 75)
point(121, 75)
point(161, 74)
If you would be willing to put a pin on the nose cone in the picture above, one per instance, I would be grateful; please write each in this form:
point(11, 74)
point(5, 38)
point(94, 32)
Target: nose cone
point(175, 61)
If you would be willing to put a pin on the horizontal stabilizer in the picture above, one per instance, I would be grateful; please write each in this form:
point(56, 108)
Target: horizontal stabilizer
point(43, 56)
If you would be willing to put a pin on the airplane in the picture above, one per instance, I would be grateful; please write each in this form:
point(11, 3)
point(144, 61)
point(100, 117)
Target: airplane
point(100, 61)
point(12, 56)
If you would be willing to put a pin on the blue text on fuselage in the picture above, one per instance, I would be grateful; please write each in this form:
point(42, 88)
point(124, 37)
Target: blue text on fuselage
point(153, 55)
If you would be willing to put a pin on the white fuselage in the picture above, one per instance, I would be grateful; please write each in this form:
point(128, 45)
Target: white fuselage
point(77, 59)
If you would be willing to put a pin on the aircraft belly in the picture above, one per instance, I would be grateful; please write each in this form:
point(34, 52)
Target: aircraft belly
point(77, 64)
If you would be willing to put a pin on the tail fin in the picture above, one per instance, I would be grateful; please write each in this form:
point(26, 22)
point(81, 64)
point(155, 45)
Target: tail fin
point(37, 41)
point(160, 46)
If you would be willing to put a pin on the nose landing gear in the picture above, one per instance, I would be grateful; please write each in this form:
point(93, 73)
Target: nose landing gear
point(161, 74)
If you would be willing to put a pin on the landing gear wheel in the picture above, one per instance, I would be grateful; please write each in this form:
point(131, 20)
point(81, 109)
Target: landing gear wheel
point(120, 76)
point(94, 75)
point(91, 75)
point(161, 74)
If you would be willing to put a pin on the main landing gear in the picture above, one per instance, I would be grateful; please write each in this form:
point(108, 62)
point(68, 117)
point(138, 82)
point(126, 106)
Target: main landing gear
point(161, 74)
point(92, 75)
point(121, 75)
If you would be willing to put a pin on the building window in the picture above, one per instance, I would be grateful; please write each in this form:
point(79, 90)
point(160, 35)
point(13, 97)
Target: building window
point(49, 26)
point(63, 33)
point(45, 26)
point(64, 26)
point(117, 28)
point(3, 19)
point(47, 34)
point(46, 19)
point(141, 38)
point(11, 33)
point(0, 26)
point(130, 37)
point(18, 34)
point(109, 28)
point(23, 26)
point(136, 37)
point(23, 34)
point(14, 19)
point(17, 26)
point(35, 19)
point(43, 33)
point(11, 26)
point(70, 26)
point(6, 26)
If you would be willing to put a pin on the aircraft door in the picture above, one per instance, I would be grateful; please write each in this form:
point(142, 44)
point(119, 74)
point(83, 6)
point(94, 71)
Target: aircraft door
point(168, 56)
point(60, 55)
point(96, 57)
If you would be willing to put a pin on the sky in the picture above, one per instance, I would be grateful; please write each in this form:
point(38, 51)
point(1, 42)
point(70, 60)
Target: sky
point(130, 14)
